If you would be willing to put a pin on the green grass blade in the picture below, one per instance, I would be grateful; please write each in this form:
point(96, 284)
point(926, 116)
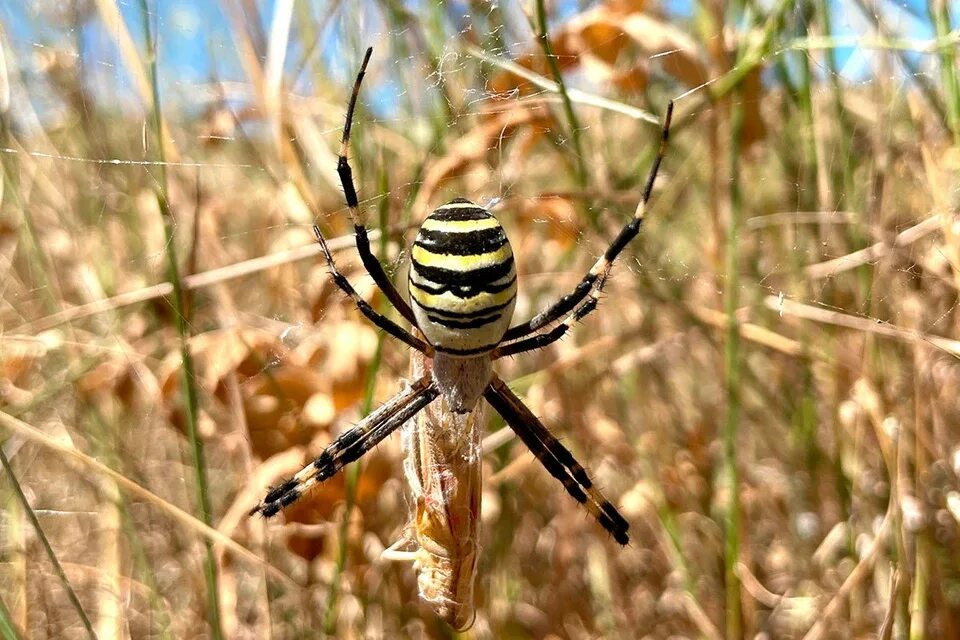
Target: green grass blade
point(188, 378)
point(48, 549)
point(543, 36)
point(7, 629)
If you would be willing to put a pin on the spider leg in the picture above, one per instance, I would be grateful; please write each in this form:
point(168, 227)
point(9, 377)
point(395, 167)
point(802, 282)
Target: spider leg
point(376, 318)
point(556, 458)
point(540, 340)
point(370, 261)
point(601, 267)
point(351, 445)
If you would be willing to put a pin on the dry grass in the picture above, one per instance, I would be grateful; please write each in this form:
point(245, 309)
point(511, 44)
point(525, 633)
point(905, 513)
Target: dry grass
point(769, 389)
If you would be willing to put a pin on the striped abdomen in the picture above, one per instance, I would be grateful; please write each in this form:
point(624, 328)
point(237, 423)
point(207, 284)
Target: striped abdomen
point(463, 283)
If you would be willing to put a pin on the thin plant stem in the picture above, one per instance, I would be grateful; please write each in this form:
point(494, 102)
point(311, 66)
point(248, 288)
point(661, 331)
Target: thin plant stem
point(810, 157)
point(732, 386)
point(351, 478)
point(8, 631)
point(940, 16)
point(922, 570)
point(352, 473)
point(816, 182)
point(731, 426)
point(921, 591)
point(106, 449)
point(42, 537)
point(755, 52)
point(544, 38)
point(843, 124)
point(188, 379)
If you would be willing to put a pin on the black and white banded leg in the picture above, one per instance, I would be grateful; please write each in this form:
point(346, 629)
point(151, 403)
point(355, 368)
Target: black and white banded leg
point(351, 445)
point(583, 299)
point(370, 261)
point(378, 319)
point(540, 340)
point(556, 458)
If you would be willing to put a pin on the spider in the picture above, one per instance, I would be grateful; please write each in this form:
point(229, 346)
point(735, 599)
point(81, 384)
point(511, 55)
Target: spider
point(462, 289)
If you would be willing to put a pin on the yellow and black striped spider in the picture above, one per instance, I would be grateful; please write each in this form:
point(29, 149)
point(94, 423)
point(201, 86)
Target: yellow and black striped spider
point(462, 287)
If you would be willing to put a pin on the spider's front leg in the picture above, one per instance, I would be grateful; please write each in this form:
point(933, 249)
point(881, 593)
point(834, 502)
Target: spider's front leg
point(540, 340)
point(351, 445)
point(583, 299)
point(370, 261)
point(376, 318)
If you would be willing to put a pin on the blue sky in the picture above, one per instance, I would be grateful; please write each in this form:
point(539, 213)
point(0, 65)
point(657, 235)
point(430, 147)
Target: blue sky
point(196, 43)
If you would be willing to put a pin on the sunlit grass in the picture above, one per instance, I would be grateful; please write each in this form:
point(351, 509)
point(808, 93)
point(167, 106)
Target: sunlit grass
point(768, 389)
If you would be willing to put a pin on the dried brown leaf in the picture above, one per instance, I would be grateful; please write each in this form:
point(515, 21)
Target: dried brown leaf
point(615, 44)
point(18, 357)
point(274, 402)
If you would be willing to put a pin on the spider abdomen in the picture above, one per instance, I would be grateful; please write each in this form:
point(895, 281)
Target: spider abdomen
point(463, 282)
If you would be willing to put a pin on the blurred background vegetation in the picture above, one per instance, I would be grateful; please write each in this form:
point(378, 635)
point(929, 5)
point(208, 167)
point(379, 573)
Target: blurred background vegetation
point(769, 389)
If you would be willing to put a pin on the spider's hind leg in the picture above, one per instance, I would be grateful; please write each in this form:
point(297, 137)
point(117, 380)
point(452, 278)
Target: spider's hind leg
point(351, 445)
point(556, 458)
